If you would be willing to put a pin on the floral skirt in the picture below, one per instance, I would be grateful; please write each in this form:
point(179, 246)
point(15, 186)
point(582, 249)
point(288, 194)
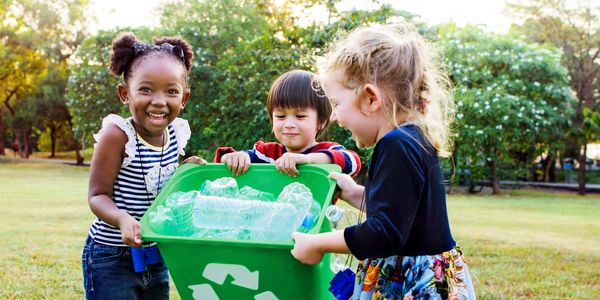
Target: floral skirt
point(442, 276)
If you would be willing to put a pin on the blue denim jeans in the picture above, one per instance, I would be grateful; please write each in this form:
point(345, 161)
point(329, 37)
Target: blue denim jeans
point(108, 274)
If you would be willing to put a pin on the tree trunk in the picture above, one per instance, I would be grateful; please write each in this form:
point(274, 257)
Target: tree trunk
point(18, 135)
point(494, 178)
point(552, 170)
point(28, 143)
point(53, 140)
point(547, 162)
point(581, 177)
point(2, 133)
point(78, 157)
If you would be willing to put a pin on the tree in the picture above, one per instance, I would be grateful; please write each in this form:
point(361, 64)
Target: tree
point(52, 30)
point(21, 65)
point(574, 27)
point(512, 98)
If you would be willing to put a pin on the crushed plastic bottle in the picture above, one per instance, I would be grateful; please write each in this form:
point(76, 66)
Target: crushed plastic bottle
point(224, 187)
point(298, 195)
point(221, 210)
point(339, 218)
point(182, 209)
point(311, 217)
point(253, 194)
point(162, 221)
point(264, 220)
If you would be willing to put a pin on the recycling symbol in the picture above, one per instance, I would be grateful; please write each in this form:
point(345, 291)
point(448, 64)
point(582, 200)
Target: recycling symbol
point(217, 273)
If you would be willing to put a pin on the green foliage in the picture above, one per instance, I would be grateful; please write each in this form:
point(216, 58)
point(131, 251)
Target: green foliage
point(511, 98)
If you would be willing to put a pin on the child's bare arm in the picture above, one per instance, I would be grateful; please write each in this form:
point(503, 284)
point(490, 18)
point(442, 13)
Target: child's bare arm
point(310, 248)
point(106, 163)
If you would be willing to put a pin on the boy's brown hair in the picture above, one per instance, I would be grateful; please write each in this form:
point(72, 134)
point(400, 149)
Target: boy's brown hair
point(296, 89)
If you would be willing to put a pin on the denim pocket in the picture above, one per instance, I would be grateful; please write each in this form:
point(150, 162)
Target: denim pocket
point(103, 255)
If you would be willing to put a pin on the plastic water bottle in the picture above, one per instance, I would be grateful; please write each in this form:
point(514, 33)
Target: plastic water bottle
point(253, 194)
point(262, 220)
point(298, 195)
point(311, 217)
point(224, 186)
point(161, 220)
point(182, 209)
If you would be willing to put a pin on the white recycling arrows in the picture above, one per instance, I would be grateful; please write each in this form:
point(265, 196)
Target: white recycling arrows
point(217, 273)
point(203, 291)
point(243, 277)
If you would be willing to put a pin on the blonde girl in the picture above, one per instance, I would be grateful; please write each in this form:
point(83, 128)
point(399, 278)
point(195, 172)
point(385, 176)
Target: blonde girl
point(384, 86)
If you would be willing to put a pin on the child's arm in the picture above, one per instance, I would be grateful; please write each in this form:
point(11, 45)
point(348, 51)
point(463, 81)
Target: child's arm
point(352, 193)
point(310, 248)
point(106, 163)
point(348, 160)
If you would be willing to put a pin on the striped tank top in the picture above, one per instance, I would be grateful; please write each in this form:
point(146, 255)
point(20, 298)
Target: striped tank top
point(137, 182)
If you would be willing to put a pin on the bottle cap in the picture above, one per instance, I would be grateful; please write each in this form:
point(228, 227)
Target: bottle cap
point(333, 213)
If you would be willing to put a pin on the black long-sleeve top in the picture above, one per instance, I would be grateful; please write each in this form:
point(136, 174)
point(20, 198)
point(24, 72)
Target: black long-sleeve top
point(405, 200)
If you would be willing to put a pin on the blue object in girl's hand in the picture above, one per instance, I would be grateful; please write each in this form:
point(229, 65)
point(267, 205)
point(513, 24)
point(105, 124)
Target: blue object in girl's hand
point(145, 256)
point(139, 262)
point(342, 284)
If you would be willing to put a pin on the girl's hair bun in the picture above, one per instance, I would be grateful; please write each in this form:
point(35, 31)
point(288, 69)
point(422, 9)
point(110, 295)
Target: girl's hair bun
point(188, 53)
point(123, 53)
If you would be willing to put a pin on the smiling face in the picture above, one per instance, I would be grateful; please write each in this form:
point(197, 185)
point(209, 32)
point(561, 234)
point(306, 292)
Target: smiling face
point(155, 93)
point(295, 128)
point(351, 110)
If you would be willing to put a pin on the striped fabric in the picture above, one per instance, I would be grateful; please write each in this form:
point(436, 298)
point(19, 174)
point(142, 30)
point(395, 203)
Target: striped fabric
point(263, 152)
point(130, 193)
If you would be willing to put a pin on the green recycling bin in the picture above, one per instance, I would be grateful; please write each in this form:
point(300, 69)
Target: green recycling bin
point(211, 269)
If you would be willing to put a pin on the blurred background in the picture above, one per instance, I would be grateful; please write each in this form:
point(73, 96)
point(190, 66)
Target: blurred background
point(525, 75)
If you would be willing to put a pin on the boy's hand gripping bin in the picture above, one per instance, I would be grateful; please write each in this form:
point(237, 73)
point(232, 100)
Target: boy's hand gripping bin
point(238, 269)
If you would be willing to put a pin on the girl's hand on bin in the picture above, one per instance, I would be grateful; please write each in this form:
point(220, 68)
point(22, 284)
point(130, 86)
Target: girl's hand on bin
point(194, 160)
point(237, 162)
point(131, 231)
point(306, 249)
point(349, 188)
point(287, 163)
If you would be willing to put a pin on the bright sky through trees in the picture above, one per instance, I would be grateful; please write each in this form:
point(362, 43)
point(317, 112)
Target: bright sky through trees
point(119, 13)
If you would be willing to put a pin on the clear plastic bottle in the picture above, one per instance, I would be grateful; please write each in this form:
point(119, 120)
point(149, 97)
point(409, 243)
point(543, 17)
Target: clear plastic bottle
point(298, 195)
point(339, 218)
point(182, 209)
point(224, 187)
point(263, 220)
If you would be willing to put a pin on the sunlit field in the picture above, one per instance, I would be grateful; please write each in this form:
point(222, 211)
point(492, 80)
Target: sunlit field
point(524, 244)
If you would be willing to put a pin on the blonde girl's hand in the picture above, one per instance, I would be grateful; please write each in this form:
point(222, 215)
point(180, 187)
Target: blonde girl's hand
point(306, 249)
point(131, 231)
point(350, 191)
point(194, 160)
point(287, 163)
point(346, 184)
point(237, 162)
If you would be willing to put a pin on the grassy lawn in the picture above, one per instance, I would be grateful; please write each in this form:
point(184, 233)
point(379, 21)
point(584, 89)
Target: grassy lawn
point(525, 244)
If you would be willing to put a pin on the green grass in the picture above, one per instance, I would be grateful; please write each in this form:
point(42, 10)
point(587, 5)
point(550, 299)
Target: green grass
point(525, 244)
